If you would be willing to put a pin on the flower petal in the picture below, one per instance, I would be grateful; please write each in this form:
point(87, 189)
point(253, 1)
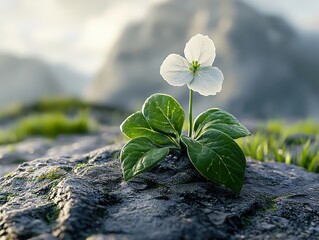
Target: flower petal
point(175, 70)
point(207, 81)
point(200, 48)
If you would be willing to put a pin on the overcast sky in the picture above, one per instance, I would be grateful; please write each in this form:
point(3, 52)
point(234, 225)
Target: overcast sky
point(302, 14)
point(80, 34)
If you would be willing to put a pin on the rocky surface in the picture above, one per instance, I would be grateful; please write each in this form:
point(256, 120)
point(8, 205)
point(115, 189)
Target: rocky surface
point(36, 147)
point(262, 58)
point(81, 195)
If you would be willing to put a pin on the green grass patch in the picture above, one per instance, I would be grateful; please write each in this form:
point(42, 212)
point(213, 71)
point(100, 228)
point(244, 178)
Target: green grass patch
point(48, 118)
point(53, 116)
point(296, 143)
point(58, 104)
point(48, 125)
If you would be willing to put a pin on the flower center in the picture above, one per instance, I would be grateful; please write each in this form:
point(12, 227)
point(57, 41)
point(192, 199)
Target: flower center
point(195, 65)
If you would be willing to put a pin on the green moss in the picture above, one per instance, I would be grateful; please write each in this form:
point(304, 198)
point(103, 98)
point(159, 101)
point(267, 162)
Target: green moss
point(10, 174)
point(246, 221)
point(52, 215)
point(52, 175)
point(6, 197)
point(272, 207)
point(10, 196)
point(79, 167)
point(82, 165)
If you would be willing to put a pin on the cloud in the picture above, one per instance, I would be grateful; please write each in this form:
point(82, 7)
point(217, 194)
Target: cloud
point(80, 33)
point(76, 33)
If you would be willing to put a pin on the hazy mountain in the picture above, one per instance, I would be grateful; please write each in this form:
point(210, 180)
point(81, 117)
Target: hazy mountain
point(72, 83)
point(270, 70)
point(27, 80)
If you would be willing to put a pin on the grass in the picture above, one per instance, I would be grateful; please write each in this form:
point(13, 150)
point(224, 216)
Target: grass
point(47, 118)
point(46, 124)
point(296, 143)
point(58, 104)
point(51, 117)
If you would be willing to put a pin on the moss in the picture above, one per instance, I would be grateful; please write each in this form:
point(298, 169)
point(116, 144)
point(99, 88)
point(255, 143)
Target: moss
point(6, 197)
point(82, 165)
point(10, 174)
point(79, 167)
point(272, 207)
point(288, 195)
point(246, 221)
point(52, 215)
point(10, 196)
point(52, 175)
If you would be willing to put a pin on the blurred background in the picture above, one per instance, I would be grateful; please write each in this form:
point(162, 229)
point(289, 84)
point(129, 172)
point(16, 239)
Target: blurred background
point(109, 52)
point(67, 66)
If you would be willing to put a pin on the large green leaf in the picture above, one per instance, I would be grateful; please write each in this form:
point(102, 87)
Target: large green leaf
point(218, 158)
point(223, 121)
point(137, 126)
point(139, 155)
point(164, 114)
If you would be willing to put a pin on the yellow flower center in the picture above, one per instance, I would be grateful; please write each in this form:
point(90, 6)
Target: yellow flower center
point(195, 65)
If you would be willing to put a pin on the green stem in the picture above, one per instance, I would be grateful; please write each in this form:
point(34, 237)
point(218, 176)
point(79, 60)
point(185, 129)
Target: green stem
point(190, 114)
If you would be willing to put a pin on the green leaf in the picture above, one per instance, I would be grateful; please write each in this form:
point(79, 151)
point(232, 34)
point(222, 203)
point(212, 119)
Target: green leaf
point(223, 121)
point(218, 158)
point(139, 155)
point(164, 114)
point(137, 126)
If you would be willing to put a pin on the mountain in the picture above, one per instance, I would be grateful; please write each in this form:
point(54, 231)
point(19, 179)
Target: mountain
point(27, 80)
point(268, 71)
point(72, 82)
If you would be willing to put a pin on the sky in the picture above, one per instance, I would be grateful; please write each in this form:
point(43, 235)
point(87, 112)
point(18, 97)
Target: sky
point(80, 34)
point(72, 32)
point(302, 14)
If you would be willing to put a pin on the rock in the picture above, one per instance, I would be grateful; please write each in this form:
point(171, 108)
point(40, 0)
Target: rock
point(83, 196)
point(36, 147)
point(258, 55)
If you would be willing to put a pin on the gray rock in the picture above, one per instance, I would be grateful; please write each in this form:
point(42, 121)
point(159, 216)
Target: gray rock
point(64, 145)
point(84, 197)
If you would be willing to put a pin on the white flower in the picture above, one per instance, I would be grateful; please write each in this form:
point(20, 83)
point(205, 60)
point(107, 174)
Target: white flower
point(196, 70)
